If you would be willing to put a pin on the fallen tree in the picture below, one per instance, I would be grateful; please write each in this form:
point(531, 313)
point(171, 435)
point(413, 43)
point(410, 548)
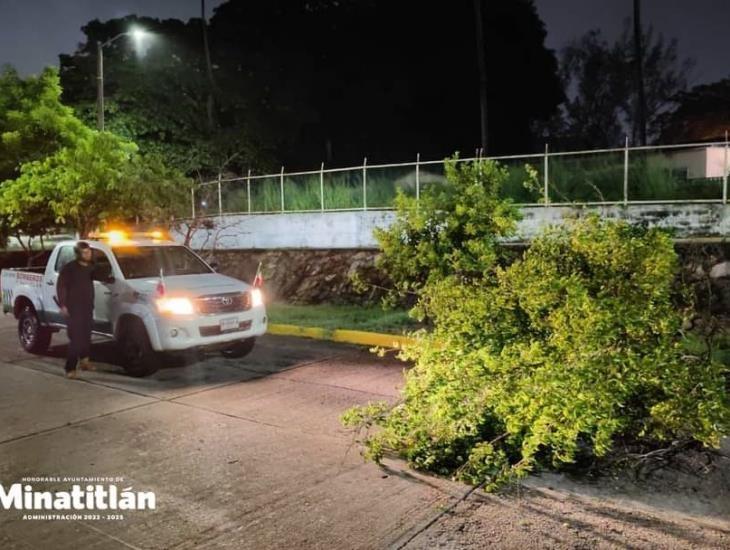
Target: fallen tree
point(558, 356)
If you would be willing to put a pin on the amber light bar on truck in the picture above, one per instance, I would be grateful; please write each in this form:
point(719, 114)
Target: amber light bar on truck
point(116, 237)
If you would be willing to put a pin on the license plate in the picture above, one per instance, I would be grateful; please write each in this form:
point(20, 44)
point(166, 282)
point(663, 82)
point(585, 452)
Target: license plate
point(229, 324)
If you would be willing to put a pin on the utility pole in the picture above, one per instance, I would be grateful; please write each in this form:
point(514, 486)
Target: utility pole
point(482, 63)
point(640, 121)
point(99, 86)
point(209, 65)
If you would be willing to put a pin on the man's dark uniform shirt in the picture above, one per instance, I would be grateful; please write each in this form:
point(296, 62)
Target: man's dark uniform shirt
point(75, 287)
point(75, 291)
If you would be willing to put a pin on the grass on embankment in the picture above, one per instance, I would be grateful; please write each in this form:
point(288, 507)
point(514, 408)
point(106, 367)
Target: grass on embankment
point(351, 317)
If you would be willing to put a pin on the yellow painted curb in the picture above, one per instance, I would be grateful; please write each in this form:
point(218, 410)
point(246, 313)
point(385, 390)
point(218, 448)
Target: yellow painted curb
point(341, 335)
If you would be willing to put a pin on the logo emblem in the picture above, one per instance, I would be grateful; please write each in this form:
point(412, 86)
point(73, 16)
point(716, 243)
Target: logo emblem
point(227, 301)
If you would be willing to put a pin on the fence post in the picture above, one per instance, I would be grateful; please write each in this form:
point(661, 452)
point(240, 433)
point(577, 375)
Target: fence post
point(281, 184)
point(626, 171)
point(546, 194)
point(220, 199)
point(418, 178)
point(321, 187)
point(192, 196)
point(365, 183)
point(724, 173)
point(248, 190)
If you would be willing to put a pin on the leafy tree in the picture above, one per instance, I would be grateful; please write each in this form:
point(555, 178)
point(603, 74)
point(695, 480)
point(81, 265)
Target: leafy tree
point(593, 116)
point(552, 359)
point(600, 109)
point(33, 122)
point(165, 191)
point(61, 173)
point(100, 179)
point(451, 231)
point(665, 78)
point(25, 212)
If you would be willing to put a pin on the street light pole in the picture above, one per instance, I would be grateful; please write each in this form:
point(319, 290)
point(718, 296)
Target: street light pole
point(137, 34)
point(99, 86)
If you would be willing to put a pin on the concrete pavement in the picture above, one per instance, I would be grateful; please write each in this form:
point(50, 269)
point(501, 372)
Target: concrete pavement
point(250, 453)
point(240, 453)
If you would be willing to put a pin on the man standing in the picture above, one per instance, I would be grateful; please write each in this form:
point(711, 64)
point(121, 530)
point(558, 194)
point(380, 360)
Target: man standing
point(75, 291)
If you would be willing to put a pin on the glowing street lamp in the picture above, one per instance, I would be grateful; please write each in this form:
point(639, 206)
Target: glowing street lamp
point(138, 35)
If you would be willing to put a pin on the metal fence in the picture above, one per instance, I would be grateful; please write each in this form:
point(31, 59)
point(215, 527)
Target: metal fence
point(694, 172)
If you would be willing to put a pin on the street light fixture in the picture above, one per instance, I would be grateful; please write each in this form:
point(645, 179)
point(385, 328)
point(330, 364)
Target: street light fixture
point(138, 35)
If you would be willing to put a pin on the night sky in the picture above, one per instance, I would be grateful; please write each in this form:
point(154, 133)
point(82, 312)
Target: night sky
point(34, 32)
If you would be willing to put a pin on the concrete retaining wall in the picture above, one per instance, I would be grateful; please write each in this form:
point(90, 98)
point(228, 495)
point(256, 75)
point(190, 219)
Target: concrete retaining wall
point(315, 230)
point(354, 229)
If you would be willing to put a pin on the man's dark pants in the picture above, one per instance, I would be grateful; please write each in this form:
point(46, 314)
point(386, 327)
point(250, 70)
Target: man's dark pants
point(79, 324)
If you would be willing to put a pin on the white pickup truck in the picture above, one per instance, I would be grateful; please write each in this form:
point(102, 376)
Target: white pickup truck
point(152, 295)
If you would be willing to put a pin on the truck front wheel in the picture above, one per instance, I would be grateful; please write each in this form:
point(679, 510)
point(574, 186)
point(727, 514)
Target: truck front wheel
point(239, 349)
point(34, 337)
point(139, 357)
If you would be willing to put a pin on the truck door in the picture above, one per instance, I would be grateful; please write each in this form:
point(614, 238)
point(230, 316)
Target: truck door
point(51, 311)
point(104, 292)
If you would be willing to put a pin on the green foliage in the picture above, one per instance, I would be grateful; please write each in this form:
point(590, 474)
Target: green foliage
point(60, 173)
point(153, 191)
point(24, 207)
point(452, 231)
point(574, 346)
point(305, 193)
point(600, 177)
point(99, 179)
point(33, 122)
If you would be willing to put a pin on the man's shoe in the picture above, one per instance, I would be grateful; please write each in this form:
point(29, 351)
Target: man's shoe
point(86, 364)
point(72, 374)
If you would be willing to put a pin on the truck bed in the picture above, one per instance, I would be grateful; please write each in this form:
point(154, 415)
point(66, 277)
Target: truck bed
point(20, 281)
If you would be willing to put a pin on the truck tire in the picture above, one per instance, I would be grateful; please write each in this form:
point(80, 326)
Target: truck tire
point(34, 337)
point(239, 349)
point(139, 357)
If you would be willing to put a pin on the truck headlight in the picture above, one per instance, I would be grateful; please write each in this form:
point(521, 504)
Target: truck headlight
point(175, 306)
point(257, 297)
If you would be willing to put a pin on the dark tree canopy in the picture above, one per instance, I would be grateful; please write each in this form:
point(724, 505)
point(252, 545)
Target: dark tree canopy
point(599, 78)
point(703, 114)
point(387, 79)
point(159, 97)
point(297, 82)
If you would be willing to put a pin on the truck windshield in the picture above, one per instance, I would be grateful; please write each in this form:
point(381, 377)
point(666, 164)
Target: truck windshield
point(141, 262)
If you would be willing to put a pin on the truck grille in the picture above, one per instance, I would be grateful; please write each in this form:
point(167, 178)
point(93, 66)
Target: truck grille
point(224, 303)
